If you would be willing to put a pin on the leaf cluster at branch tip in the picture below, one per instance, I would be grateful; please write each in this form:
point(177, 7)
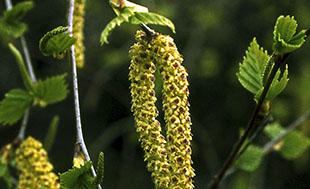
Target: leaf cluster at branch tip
point(285, 40)
point(133, 14)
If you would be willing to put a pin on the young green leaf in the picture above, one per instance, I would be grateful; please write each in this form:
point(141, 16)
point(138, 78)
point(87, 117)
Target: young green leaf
point(14, 105)
point(295, 143)
point(51, 90)
point(251, 70)
point(118, 5)
point(78, 178)
point(251, 158)
point(56, 42)
point(292, 144)
point(151, 18)
point(124, 16)
point(278, 86)
point(51, 133)
point(272, 130)
point(284, 39)
point(127, 11)
point(10, 22)
point(100, 169)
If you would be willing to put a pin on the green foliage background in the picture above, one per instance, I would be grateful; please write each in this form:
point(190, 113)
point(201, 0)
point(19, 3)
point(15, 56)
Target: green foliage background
point(213, 37)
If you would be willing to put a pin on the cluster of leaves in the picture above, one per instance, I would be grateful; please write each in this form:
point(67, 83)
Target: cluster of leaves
point(133, 14)
point(82, 177)
point(11, 25)
point(257, 64)
point(253, 74)
point(291, 146)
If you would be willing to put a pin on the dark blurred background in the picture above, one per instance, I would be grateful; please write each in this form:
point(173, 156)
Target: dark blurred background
point(213, 37)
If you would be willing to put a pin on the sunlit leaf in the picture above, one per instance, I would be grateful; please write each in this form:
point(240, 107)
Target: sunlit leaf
point(284, 39)
point(14, 105)
point(151, 18)
point(126, 13)
point(251, 70)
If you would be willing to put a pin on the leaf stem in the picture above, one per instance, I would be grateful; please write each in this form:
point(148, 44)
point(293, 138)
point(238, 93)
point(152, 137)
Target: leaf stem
point(79, 133)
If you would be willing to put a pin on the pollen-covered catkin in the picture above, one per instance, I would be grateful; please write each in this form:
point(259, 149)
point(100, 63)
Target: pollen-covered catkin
point(34, 168)
point(176, 109)
point(141, 76)
point(77, 31)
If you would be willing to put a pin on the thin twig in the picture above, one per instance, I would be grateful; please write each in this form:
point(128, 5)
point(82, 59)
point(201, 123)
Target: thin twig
point(269, 146)
point(28, 60)
point(257, 132)
point(22, 130)
point(79, 133)
point(232, 156)
point(21, 133)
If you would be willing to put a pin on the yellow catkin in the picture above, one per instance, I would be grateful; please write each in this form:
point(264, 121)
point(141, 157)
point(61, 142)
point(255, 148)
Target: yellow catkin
point(78, 26)
point(141, 76)
point(176, 108)
point(34, 168)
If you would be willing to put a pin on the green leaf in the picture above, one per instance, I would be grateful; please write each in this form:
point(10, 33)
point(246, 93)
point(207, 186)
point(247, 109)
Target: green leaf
point(56, 42)
point(14, 105)
point(272, 130)
point(78, 178)
point(284, 39)
point(10, 24)
point(100, 169)
point(292, 145)
point(51, 90)
point(134, 14)
point(151, 18)
point(251, 70)
point(124, 16)
point(118, 5)
point(278, 86)
point(295, 143)
point(250, 159)
point(51, 133)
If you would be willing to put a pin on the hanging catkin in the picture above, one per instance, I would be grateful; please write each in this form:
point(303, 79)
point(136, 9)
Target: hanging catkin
point(77, 31)
point(141, 76)
point(176, 109)
point(35, 170)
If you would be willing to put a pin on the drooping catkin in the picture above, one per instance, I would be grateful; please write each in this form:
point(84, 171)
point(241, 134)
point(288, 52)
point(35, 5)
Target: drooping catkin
point(176, 109)
point(141, 76)
point(77, 31)
point(34, 168)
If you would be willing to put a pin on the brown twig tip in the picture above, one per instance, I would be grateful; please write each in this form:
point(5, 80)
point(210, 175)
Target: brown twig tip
point(148, 30)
